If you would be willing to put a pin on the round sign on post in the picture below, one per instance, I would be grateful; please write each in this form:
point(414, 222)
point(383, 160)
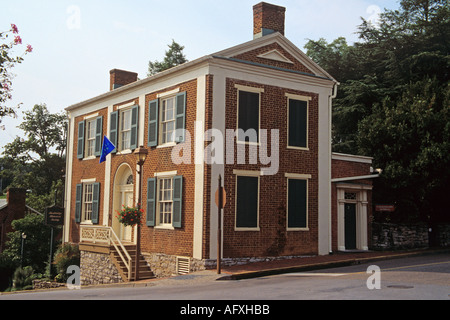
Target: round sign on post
point(224, 198)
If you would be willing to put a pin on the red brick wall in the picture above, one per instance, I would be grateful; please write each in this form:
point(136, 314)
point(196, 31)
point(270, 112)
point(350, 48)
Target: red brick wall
point(177, 241)
point(268, 16)
point(343, 169)
point(273, 239)
point(85, 169)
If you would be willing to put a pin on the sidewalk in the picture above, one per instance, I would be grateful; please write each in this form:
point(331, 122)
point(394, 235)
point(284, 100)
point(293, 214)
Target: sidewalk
point(341, 259)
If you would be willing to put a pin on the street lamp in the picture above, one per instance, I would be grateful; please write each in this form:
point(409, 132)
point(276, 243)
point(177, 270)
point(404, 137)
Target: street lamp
point(23, 236)
point(141, 154)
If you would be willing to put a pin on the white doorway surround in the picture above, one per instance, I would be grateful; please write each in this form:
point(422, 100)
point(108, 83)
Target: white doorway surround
point(123, 196)
point(352, 195)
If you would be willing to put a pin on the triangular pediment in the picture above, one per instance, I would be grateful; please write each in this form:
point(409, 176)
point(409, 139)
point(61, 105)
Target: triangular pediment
point(275, 55)
point(274, 51)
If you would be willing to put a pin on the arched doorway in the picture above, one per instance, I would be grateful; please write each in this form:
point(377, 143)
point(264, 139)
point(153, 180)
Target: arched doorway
point(123, 196)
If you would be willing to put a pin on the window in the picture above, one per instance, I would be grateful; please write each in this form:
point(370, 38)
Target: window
point(247, 202)
point(297, 213)
point(298, 121)
point(89, 143)
point(90, 138)
point(167, 120)
point(248, 116)
point(87, 201)
point(123, 132)
point(164, 201)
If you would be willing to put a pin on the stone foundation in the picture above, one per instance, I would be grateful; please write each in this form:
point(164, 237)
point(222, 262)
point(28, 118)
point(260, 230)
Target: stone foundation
point(97, 268)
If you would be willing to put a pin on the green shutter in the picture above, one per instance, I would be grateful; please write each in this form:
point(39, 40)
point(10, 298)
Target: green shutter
point(153, 123)
point(98, 136)
point(247, 202)
point(114, 129)
point(151, 202)
point(298, 123)
point(297, 203)
point(80, 146)
point(78, 197)
point(95, 203)
point(134, 127)
point(181, 117)
point(177, 201)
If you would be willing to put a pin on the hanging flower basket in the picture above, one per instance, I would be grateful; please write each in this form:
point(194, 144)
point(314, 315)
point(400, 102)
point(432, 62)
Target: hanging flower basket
point(130, 216)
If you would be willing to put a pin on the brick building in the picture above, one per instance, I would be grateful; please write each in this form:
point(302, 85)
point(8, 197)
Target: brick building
point(276, 170)
point(13, 208)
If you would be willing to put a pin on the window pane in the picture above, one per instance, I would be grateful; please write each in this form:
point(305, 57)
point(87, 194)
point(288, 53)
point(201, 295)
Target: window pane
point(297, 213)
point(247, 202)
point(248, 114)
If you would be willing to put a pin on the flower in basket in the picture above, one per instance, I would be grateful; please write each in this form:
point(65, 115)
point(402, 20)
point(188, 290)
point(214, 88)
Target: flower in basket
point(129, 216)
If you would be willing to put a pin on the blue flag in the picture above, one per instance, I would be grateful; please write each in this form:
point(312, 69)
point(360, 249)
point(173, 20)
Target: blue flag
point(107, 148)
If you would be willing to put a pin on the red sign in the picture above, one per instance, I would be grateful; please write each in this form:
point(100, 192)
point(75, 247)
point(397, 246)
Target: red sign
point(385, 208)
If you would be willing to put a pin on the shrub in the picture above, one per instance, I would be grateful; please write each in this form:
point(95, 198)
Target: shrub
point(67, 255)
point(23, 278)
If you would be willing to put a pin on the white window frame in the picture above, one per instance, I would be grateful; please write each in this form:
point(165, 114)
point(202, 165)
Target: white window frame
point(163, 137)
point(250, 90)
point(90, 135)
point(159, 178)
point(121, 130)
point(306, 99)
point(87, 202)
point(253, 174)
point(302, 177)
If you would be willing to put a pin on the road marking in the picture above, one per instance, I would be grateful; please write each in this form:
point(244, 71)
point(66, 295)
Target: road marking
point(317, 274)
point(406, 267)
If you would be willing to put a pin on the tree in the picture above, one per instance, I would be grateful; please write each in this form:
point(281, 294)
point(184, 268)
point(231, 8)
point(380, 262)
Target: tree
point(7, 62)
point(38, 161)
point(393, 103)
point(174, 57)
point(36, 247)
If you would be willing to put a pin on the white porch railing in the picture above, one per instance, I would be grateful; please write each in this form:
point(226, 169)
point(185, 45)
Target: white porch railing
point(106, 235)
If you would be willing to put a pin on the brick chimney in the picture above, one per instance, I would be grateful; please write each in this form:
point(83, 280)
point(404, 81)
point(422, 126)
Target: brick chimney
point(267, 19)
point(120, 78)
point(16, 198)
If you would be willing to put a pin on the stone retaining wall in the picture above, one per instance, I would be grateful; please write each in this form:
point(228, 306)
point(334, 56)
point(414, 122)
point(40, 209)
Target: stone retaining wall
point(97, 268)
point(388, 236)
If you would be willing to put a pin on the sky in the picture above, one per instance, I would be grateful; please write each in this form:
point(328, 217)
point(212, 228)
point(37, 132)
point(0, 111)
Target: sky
point(76, 43)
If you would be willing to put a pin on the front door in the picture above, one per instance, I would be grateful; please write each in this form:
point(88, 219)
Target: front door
point(350, 226)
point(125, 232)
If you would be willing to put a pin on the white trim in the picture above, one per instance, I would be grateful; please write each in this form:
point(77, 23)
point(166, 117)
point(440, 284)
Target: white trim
point(298, 176)
point(88, 117)
point(126, 105)
point(166, 174)
point(93, 180)
point(290, 176)
point(298, 97)
point(199, 165)
point(247, 173)
point(168, 93)
point(351, 157)
point(275, 55)
point(372, 176)
point(248, 88)
point(251, 174)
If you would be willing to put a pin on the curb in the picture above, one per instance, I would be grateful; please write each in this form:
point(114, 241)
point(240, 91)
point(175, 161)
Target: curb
point(325, 265)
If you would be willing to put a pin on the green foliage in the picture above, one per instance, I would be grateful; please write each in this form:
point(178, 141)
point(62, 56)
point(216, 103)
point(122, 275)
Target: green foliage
point(23, 278)
point(36, 246)
point(67, 255)
point(37, 163)
point(393, 103)
point(174, 57)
